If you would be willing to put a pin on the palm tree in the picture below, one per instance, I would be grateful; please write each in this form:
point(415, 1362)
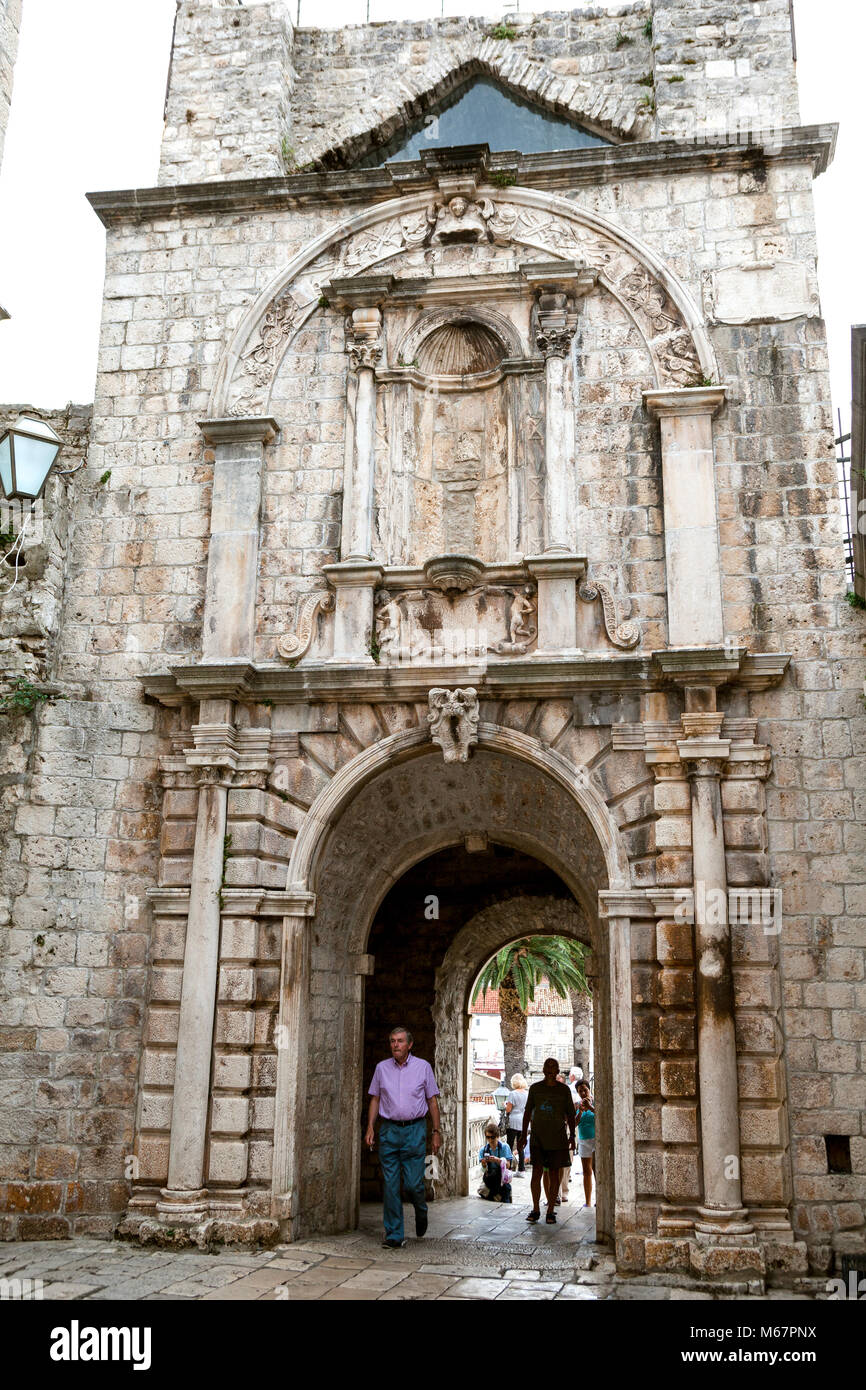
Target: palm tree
point(516, 972)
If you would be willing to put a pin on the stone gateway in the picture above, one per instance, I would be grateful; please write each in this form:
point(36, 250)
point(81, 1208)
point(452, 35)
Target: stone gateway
point(462, 527)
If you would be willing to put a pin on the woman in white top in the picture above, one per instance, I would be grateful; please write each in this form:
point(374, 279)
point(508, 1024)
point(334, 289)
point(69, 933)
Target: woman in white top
point(514, 1108)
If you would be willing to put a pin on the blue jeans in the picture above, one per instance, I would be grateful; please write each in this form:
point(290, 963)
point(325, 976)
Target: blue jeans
point(402, 1150)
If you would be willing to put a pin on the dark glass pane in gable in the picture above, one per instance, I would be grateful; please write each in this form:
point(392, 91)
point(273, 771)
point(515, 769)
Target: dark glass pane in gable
point(483, 113)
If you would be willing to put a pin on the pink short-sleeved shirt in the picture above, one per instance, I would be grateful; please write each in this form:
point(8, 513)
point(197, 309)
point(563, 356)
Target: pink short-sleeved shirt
point(403, 1091)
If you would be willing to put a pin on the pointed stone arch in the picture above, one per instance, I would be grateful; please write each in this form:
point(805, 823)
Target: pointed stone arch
point(421, 93)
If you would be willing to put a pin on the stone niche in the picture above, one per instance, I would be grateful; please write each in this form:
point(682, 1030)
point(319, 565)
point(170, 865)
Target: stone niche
point(460, 427)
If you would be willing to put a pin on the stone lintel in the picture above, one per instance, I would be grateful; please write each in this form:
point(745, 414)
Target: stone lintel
point(241, 429)
point(354, 574)
point(684, 400)
point(813, 145)
point(762, 670)
point(673, 902)
point(695, 749)
point(238, 902)
point(533, 677)
point(699, 665)
point(568, 276)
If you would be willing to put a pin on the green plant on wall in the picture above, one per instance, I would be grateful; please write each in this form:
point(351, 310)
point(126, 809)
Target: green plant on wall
point(24, 697)
point(503, 31)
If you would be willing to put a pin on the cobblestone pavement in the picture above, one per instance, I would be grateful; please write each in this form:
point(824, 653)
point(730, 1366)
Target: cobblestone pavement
point(473, 1250)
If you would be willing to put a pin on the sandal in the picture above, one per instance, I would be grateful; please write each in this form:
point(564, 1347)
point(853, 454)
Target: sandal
point(534, 1216)
point(550, 1218)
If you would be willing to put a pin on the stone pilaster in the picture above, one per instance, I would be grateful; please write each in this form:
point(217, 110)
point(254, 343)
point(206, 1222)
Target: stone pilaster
point(183, 1199)
point(228, 630)
point(559, 287)
point(692, 557)
point(364, 346)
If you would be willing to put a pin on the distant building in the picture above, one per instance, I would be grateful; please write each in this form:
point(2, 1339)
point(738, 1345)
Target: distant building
point(549, 1032)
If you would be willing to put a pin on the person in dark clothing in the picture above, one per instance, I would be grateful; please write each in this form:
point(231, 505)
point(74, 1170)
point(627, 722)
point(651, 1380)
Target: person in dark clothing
point(550, 1110)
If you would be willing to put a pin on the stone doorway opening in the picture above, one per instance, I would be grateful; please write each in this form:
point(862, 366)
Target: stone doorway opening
point(507, 1045)
point(430, 938)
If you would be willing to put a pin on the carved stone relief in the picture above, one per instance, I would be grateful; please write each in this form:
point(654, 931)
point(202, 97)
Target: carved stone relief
point(422, 625)
point(453, 719)
point(621, 633)
point(293, 645)
point(451, 223)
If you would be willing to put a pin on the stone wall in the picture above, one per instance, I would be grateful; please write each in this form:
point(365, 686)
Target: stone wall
point(10, 25)
point(249, 96)
point(90, 830)
point(227, 110)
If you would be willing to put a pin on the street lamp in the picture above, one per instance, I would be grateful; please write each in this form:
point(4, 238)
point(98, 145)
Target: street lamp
point(28, 452)
point(500, 1095)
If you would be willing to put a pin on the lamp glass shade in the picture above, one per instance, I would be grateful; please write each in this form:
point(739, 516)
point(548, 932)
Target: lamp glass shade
point(28, 450)
point(6, 464)
point(33, 461)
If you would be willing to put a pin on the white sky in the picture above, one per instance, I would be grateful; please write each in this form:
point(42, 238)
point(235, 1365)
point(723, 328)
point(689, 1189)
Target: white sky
point(87, 114)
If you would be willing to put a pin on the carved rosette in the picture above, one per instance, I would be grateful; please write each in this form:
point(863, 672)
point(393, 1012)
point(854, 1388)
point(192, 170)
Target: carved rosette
point(453, 719)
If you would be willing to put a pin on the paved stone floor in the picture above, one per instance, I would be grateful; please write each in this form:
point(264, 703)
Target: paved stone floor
point(473, 1250)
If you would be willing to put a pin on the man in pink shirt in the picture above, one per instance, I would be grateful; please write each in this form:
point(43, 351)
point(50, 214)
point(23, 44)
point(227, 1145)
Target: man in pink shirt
point(402, 1090)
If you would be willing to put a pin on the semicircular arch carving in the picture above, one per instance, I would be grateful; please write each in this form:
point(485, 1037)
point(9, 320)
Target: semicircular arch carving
point(654, 298)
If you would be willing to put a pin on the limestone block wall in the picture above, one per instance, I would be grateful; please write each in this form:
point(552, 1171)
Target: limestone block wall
point(250, 96)
point(227, 108)
point(10, 27)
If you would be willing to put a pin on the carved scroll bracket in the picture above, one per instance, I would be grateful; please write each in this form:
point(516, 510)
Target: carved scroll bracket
point(293, 645)
point(622, 633)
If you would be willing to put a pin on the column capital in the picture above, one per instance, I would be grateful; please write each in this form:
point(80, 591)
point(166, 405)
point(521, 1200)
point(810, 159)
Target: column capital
point(704, 756)
point(684, 400)
point(240, 429)
point(364, 337)
point(559, 286)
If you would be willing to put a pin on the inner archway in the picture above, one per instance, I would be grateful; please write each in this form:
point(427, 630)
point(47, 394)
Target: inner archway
point(386, 812)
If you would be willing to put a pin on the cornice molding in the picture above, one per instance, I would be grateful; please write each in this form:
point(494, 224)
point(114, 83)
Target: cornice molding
point(813, 145)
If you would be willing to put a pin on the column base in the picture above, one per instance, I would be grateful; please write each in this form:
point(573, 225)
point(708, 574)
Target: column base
point(179, 1208)
point(721, 1224)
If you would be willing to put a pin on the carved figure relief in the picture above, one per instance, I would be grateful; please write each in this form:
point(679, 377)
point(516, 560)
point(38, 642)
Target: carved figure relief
point(424, 624)
point(453, 719)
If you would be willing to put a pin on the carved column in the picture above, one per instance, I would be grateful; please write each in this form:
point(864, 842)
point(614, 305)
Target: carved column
point(692, 559)
point(364, 346)
point(705, 754)
point(183, 1198)
point(558, 286)
point(356, 578)
point(233, 555)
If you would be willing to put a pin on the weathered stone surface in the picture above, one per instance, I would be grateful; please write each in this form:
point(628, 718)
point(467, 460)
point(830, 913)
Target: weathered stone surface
point(99, 790)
